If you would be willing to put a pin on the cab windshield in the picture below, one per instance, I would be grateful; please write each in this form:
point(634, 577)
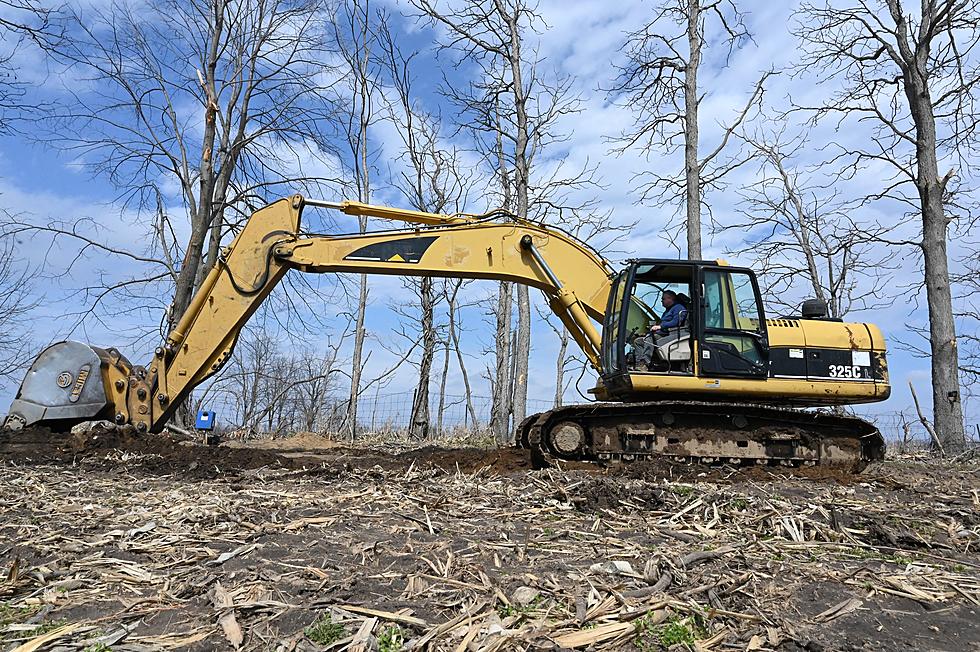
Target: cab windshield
point(650, 347)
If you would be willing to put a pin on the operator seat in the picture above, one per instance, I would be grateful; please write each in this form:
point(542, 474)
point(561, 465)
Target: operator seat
point(675, 346)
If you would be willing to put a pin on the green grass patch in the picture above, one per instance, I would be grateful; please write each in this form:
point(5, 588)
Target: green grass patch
point(11, 615)
point(98, 647)
point(651, 637)
point(505, 610)
point(391, 639)
point(325, 631)
point(681, 489)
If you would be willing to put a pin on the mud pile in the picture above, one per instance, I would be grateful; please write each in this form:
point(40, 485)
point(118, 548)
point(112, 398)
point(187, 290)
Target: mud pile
point(107, 445)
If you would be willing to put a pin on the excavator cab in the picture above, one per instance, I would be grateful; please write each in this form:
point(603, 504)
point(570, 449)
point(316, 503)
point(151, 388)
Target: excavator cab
point(724, 334)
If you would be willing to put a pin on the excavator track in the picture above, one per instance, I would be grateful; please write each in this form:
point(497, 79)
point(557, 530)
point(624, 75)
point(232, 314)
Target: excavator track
point(709, 433)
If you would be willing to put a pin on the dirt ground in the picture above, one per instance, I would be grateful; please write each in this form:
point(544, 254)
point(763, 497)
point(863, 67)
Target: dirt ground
point(110, 541)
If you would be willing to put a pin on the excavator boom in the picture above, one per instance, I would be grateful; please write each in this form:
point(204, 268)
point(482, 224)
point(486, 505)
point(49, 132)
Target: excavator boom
point(495, 246)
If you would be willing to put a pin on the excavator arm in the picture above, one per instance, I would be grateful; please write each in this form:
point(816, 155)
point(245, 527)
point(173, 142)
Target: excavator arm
point(62, 388)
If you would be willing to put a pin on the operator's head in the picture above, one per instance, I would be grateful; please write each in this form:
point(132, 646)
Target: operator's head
point(669, 298)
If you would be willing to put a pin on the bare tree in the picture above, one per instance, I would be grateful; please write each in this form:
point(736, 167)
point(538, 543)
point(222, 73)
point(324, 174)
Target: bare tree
point(503, 381)
point(562, 360)
point(356, 39)
point(491, 36)
point(514, 109)
point(17, 300)
point(266, 387)
point(912, 76)
point(451, 288)
point(20, 21)
point(660, 84)
point(798, 232)
point(433, 181)
point(250, 375)
point(214, 97)
point(313, 397)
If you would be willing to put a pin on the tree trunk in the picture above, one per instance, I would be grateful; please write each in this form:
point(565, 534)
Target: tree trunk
point(187, 281)
point(454, 336)
point(184, 290)
point(500, 417)
point(356, 357)
point(363, 180)
point(203, 214)
point(502, 389)
point(522, 354)
point(444, 377)
point(214, 246)
point(521, 184)
point(946, 406)
point(420, 409)
point(692, 167)
point(560, 367)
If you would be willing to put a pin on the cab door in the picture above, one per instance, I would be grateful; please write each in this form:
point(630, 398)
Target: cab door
point(731, 325)
point(612, 337)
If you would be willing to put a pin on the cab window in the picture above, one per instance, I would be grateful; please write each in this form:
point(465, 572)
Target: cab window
point(730, 301)
point(665, 350)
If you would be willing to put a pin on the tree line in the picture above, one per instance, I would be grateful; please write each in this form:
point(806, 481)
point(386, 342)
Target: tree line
point(197, 112)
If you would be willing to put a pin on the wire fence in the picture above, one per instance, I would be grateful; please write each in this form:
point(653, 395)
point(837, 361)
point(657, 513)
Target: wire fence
point(377, 412)
point(391, 413)
point(904, 431)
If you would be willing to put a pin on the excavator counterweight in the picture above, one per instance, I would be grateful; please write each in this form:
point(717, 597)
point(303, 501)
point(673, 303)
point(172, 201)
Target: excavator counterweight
point(718, 385)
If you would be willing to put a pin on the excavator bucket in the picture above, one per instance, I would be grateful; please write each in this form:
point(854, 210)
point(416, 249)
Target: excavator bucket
point(66, 385)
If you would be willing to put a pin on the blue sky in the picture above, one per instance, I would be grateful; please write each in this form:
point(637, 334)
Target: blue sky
point(582, 39)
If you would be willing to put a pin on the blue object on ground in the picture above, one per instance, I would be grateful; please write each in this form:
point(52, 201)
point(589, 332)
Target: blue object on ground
point(205, 420)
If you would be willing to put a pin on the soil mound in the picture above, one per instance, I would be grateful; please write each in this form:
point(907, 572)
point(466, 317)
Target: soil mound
point(108, 445)
point(156, 453)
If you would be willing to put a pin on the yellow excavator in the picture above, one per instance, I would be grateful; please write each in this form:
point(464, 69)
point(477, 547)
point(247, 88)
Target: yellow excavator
point(720, 387)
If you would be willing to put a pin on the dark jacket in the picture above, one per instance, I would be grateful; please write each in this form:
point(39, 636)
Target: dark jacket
point(673, 317)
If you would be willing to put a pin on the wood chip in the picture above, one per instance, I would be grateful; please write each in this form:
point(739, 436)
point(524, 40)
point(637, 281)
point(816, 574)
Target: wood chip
point(838, 610)
point(233, 632)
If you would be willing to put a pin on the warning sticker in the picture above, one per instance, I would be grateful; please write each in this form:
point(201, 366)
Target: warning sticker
point(861, 358)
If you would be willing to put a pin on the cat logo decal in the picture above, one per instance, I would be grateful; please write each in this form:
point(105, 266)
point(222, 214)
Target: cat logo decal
point(403, 250)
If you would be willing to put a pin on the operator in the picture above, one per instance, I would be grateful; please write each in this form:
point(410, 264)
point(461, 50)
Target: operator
point(673, 317)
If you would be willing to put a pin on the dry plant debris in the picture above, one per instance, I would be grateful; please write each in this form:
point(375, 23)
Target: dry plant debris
point(113, 550)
